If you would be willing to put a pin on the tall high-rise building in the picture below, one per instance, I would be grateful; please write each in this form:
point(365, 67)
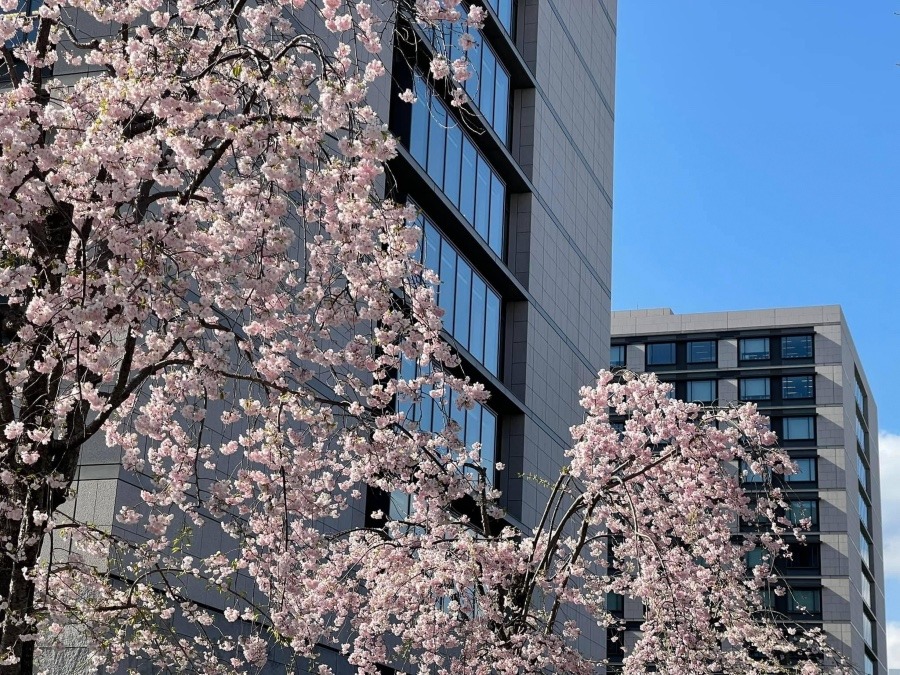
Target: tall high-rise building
point(515, 192)
point(801, 369)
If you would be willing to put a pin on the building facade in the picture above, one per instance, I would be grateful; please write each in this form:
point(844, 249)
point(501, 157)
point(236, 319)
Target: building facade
point(801, 368)
point(514, 189)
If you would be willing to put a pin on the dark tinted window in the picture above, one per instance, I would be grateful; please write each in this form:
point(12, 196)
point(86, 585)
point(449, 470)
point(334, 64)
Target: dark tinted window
point(701, 351)
point(797, 347)
point(661, 354)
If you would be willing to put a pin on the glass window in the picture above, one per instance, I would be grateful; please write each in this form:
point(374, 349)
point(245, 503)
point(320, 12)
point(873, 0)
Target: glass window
point(868, 630)
point(869, 666)
point(797, 386)
point(463, 302)
point(701, 351)
point(861, 436)
point(865, 588)
point(479, 317)
point(476, 425)
point(754, 349)
point(799, 428)
point(615, 602)
point(440, 146)
point(801, 509)
point(617, 356)
point(797, 347)
point(865, 550)
point(804, 601)
point(862, 472)
point(471, 307)
point(863, 507)
point(747, 474)
point(701, 390)
point(498, 214)
point(447, 290)
point(453, 163)
point(504, 10)
point(754, 558)
point(806, 471)
point(803, 556)
point(467, 187)
point(859, 395)
point(492, 332)
point(661, 354)
point(754, 389)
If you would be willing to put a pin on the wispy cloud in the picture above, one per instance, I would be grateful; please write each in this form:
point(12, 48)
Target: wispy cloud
point(893, 644)
point(889, 464)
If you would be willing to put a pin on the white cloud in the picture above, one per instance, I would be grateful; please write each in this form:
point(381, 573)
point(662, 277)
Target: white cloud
point(893, 644)
point(889, 465)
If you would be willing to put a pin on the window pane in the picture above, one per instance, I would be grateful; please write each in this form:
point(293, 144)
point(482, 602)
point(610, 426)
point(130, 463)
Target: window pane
point(467, 191)
point(701, 390)
point(755, 389)
point(865, 550)
point(492, 333)
point(865, 589)
point(473, 426)
point(418, 135)
point(863, 511)
point(486, 84)
point(802, 509)
point(806, 471)
point(448, 283)
point(754, 349)
point(617, 356)
point(803, 556)
point(797, 386)
point(482, 199)
point(747, 474)
point(476, 333)
point(501, 104)
point(805, 600)
point(497, 216)
point(451, 168)
point(437, 135)
point(432, 248)
point(701, 351)
point(755, 557)
point(799, 428)
point(797, 347)
point(862, 472)
point(661, 354)
point(615, 602)
point(463, 302)
point(488, 440)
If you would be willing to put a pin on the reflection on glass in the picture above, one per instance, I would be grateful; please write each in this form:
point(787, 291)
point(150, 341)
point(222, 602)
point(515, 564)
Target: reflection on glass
point(471, 307)
point(440, 146)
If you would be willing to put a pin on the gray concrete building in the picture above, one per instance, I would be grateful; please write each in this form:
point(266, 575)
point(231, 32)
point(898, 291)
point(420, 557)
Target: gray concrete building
point(801, 368)
point(515, 190)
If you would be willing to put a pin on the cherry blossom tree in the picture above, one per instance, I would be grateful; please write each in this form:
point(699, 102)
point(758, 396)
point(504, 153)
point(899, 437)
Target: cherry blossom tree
point(200, 268)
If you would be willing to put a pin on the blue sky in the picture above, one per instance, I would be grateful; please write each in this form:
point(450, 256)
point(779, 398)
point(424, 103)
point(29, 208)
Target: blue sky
point(757, 164)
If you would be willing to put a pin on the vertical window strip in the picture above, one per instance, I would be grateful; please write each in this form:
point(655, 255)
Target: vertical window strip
point(476, 425)
point(449, 157)
point(471, 307)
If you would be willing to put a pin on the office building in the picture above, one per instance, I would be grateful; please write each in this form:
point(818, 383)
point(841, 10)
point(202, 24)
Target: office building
point(514, 189)
point(801, 368)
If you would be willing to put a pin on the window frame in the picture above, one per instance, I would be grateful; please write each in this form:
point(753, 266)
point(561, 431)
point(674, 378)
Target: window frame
point(744, 355)
point(713, 353)
point(786, 423)
point(791, 357)
point(744, 397)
